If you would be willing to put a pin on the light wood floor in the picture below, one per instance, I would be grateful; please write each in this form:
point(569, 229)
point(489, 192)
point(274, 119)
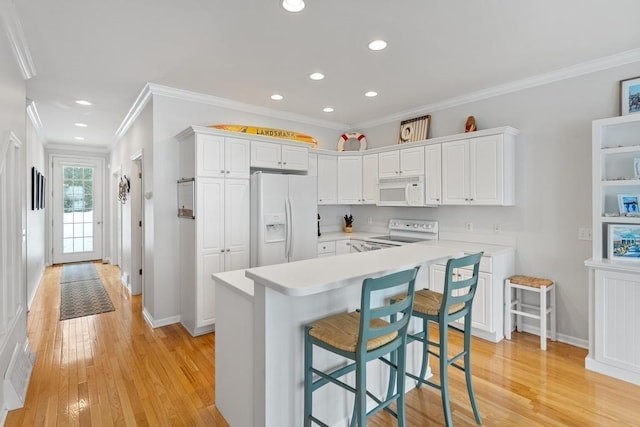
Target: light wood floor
point(112, 368)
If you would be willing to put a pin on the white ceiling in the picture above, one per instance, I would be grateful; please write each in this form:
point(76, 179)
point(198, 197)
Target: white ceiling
point(246, 50)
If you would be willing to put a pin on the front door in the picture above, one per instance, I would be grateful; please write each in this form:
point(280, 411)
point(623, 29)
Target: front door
point(77, 209)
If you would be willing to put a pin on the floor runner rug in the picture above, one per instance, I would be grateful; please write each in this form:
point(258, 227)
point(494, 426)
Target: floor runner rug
point(79, 272)
point(83, 298)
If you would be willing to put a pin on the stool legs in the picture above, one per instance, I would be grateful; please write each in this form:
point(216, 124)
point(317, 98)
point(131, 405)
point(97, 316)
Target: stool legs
point(425, 351)
point(519, 308)
point(308, 377)
point(444, 376)
point(467, 371)
point(553, 313)
point(508, 301)
point(543, 317)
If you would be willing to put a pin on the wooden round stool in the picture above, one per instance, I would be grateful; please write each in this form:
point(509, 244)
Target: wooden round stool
point(538, 312)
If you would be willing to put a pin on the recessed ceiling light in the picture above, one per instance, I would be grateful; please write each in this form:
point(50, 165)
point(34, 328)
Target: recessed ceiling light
point(83, 102)
point(327, 110)
point(293, 5)
point(316, 76)
point(377, 45)
point(81, 125)
point(277, 97)
point(371, 94)
point(78, 138)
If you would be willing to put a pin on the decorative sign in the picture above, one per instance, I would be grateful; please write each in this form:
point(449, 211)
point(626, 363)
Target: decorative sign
point(413, 130)
point(273, 133)
point(186, 198)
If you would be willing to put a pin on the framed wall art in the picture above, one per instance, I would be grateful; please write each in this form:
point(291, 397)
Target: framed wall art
point(413, 130)
point(623, 242)
point(628, 204)
point(630, 96)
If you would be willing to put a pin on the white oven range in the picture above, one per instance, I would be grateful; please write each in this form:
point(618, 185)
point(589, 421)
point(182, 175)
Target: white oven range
point(401, 232)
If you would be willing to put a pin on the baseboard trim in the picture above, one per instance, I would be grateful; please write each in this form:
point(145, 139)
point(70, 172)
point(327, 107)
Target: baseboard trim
point(611, 371)
point(3, 416)
point(567, 339)
point(35, 290)
point(153, 323)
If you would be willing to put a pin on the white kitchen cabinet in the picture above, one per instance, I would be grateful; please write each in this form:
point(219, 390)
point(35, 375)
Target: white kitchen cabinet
point(327, 179)
point(478, 171)
point(487, 319)
point(218, 238)
point(343, 247)
point(313, 164)
point(215, 156)
point(350, 180)
point(402, 162)
point(270, 155)
point(327, 248)
point(369, 179)
point(433, 174)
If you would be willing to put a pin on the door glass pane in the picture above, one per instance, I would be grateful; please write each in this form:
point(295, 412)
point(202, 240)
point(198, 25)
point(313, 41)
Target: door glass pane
point(77, 209)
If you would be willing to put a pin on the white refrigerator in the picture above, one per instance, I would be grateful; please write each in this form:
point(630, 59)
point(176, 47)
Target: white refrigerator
point(284, 211)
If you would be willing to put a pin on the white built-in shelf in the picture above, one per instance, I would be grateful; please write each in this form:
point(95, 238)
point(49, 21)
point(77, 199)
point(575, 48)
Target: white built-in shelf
point(621, 150)
point(620, 182)
point(621, 219)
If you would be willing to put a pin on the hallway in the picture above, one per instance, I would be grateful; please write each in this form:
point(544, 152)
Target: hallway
point(111, 368)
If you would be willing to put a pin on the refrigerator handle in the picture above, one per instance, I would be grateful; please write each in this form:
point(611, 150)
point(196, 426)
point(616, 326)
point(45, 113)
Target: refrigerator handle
point(287, 221)
point(290, 232)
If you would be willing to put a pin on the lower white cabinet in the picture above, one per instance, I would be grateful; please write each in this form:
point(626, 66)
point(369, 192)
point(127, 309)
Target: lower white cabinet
point(326, 249)
point(614, 344)
point(216, 240)
point(487, 314)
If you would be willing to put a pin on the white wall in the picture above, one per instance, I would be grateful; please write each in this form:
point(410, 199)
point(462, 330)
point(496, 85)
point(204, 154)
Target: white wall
point(36, 230)
point(12, 118)
point(553, 180)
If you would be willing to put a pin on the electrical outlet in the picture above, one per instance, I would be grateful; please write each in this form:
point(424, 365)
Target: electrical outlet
point(468, 226)
point(497, 228)
point(369, 220)
point(584, 234)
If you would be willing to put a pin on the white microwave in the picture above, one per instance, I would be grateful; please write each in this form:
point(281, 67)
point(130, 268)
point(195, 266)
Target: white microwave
point(401, 191)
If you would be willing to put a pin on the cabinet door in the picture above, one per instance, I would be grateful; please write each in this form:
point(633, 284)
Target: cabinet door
point(210, 214)
point(486, 170)
point(237, 154)
point(455, 173)
point(412, 161)
point(342, 247)
point(433, 174)
point(209, 156)
point(350, 180)
point(436, 278)
point(370, 179)
point(265, 155)
point(295, 158)
point(482, 301)
point(327, 180)
point(206, 297)
point(236, 224)
point(388, 164)
point(313, 164)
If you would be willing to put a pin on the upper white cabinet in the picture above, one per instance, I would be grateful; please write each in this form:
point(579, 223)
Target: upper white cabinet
point(327, 179)
point(269, 155)
point(350, 180)
point(313, 164)
point(370, 179)
point(433, 174)
point(405, 161)
point(215, 156)
point(479, 171)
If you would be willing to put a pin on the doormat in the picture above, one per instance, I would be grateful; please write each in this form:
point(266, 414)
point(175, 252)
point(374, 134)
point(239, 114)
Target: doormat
point(79, 272)
point(83, 298)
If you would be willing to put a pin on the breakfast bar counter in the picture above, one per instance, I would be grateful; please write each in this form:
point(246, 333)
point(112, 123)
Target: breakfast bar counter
point(265, 387)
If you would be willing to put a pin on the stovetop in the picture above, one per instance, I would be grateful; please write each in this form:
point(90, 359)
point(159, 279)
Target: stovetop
point(399, 239)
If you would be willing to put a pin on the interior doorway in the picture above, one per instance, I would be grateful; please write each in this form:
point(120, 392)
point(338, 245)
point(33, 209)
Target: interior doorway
point(116, 219)
point(137, 225)
point(77, 209)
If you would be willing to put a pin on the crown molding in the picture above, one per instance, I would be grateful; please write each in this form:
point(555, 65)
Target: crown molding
point(13, 29)
point(600, 64)
point(32, 112)
point(141, 101)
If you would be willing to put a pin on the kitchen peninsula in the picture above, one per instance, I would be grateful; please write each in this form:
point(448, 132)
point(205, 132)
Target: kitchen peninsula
point(259, 332)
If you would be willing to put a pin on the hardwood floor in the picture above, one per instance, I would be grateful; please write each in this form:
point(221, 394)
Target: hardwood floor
point(112, 369)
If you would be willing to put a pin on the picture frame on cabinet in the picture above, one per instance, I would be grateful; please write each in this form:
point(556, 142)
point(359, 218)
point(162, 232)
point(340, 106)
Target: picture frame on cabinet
point(636, 168)
point(416, 129)
point(623, 242)
point(630, 96)
point(629, 204)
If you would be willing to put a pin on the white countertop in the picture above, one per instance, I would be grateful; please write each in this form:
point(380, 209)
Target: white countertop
point(318, 275)
point(468, 247)
point(339, 235)
point(236, 280)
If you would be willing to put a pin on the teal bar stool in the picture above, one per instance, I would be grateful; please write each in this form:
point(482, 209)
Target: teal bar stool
point(362, 336)
point(444, 308)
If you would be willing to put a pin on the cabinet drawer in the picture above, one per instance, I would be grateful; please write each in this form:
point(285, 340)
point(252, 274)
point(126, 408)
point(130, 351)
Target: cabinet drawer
point(486, 264)
point(326, 248)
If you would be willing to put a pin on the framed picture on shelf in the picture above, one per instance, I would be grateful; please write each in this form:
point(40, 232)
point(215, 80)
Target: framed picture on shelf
point(630, 96)
point(624, 242)
point(628, 204)
point(636, 168)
